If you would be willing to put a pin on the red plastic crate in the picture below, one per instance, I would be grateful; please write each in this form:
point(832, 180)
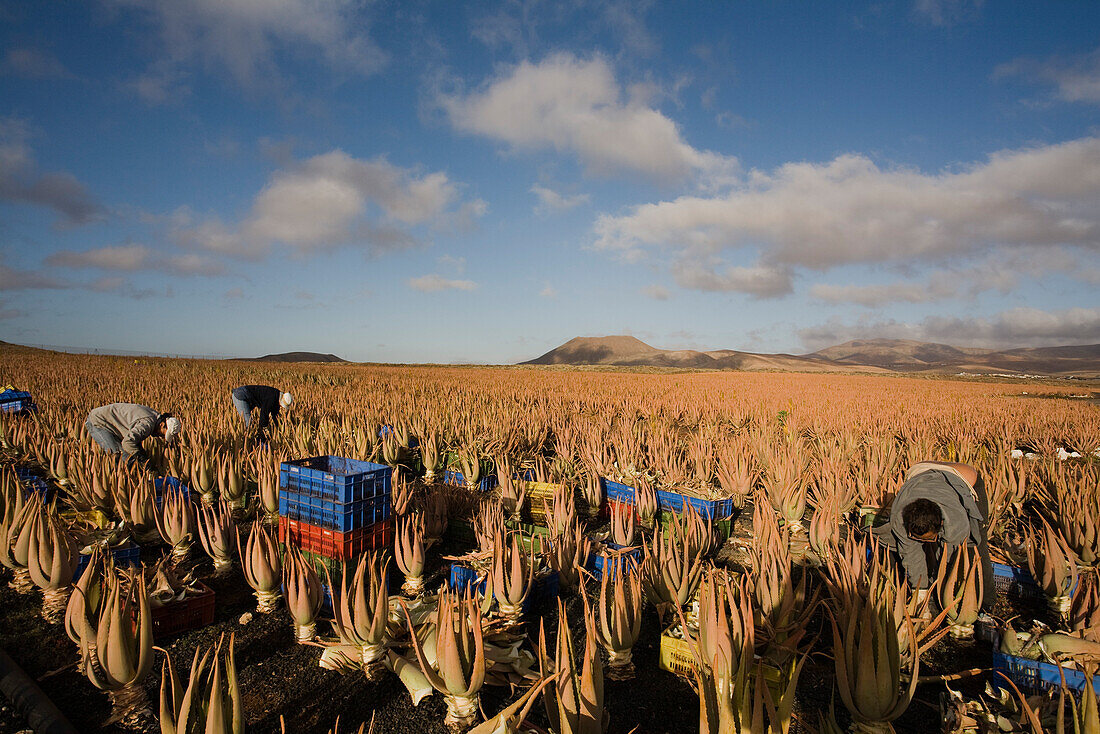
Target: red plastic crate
point(333, 543)
point(617, 503)
point(186, 614)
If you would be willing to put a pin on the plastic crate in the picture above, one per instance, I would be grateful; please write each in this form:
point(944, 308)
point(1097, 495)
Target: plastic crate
point(187, 614)
point(16, 401)
point(335, 478)
point(1035, 676)
point(342, 516)
point(674, 502)
point(537, 494)
point(676, 657)
point(456, 479)
point(34, 483)
point(616, 491)
point(126, 555)
point(598, 561)
point(543, 591)
point(670, 501)
point(528, 532)
point(333, 543)
point(161, 485)
point(459, 533)
point(1013, 582)
point(464, 577)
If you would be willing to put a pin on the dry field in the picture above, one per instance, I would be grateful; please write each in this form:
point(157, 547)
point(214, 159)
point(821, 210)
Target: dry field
point(786, 614)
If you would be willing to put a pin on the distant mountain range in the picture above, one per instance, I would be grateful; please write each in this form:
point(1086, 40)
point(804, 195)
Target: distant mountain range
point(861, 355)
point(298, 357)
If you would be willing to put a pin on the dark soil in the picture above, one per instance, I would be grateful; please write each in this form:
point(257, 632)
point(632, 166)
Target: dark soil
point(281, 678)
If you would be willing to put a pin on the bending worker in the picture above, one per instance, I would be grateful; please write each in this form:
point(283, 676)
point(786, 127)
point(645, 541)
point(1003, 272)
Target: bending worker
point(267, 399)
point(941, 507)
point(120, 428)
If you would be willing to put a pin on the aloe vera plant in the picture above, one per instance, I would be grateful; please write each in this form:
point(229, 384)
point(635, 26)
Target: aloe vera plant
point(262, 567)
point(574, 703)
point(409, 552)
point(303, 593)
point(512, 576)
point(460, 654)
point(960, 587)
point(218, 535)
point(513, 491)
point(176, 523)
point(620, 612)
point(123, 651)
point(211, 703)
point(723, 654)
point(1053, 565)
point(360, 606)
point(869, 665)
point(51, 559)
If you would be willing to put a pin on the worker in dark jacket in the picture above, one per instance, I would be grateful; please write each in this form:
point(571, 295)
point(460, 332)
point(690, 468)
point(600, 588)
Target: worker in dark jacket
point(267, 399)
point(120, 428)
point(941, 507)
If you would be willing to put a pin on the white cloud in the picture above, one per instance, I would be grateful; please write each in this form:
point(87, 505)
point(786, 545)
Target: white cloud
point(849, 210)
point(548, 291)
point(33, 63)
point(1075, 78)
point(333, 200)
point(874, 296)
point(657, 292)
point(14, 279)
point(7, 312)
point(434, 283)
point(246, 38)
point(759, 281)
point(21, 181)
point(136, 257)
point(946, 12)
point(576, 106)
point(551, 201)
point(457, 264)
point(1017, 327)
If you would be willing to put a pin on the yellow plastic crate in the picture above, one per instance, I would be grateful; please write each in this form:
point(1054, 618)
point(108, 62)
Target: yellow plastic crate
point(676, 657)
point(537, 492)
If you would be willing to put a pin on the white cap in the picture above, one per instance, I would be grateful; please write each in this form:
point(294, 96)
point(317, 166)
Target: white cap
point(173, 426)
point(286, 400)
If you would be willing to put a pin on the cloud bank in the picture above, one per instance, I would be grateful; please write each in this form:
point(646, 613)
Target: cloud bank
point(849, 211)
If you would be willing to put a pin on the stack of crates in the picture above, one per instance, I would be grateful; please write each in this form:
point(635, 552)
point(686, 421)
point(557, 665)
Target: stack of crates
point(334, 508)
point(17, 401)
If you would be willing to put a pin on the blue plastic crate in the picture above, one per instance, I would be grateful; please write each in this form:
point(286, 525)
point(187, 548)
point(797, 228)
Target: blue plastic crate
point(127, 555)
point(674, 502)
point(463, 578)
point(670, 501)
point(597, 561)
point(341, 516)
point(617, 491)
point(335, 478)
point(1035, 676)
point(542, 594)
point(161, 485)
point(455, 478)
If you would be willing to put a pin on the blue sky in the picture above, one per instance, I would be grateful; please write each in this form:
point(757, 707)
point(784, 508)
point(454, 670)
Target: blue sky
point(480, 182)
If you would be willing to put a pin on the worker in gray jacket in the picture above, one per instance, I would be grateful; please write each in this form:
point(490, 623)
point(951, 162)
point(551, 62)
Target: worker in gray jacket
point(941, 507)
point(120, 428)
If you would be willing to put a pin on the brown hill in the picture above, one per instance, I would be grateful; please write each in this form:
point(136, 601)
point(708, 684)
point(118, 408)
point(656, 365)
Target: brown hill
point(863, 355)
point(298, 357)
point(904, 355)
